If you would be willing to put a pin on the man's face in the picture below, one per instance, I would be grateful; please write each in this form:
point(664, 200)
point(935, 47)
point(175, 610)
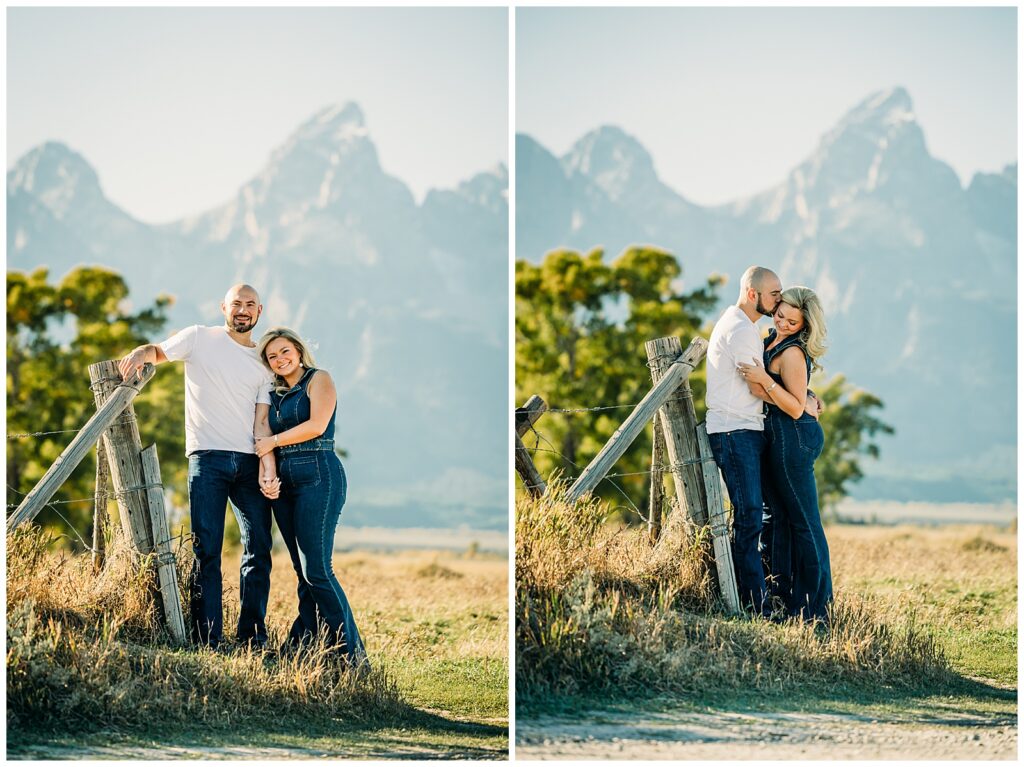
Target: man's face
point(241, 310)
point(769, 296)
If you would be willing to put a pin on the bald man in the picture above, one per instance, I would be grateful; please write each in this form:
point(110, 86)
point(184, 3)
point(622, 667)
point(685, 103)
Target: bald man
point(226, 384)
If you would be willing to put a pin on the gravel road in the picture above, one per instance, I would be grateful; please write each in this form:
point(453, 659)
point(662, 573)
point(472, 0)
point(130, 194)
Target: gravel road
point(761, 735)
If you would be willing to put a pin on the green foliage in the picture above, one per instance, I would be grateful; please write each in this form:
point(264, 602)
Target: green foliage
point(849, 423)
point(54, 332)
point(581, 325)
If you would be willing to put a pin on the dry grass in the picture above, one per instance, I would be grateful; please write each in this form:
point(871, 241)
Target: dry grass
point(598, 610)
point(87, 652)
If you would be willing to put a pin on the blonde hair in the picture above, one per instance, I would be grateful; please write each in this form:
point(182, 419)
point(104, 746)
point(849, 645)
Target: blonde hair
point(305, 356)
point(812, 337)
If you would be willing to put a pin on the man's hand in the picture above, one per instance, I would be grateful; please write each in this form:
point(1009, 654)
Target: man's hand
point(813, 406)
point(134, 362)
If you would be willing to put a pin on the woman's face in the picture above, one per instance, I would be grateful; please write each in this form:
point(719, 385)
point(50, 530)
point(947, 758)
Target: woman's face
point(282, 356)
point(788, 319)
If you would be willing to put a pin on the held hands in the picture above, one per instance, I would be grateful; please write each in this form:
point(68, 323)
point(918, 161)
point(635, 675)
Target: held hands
point(270, 486)
point(265, 445)
point(754, 373)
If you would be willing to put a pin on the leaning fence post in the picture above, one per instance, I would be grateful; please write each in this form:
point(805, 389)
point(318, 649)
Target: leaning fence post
point(123, 448)
point(679, 424)
point(100, 516)
point(526, 416)
point(719, 523)
point(167, 570)
point(623, 437)
point(73, 454)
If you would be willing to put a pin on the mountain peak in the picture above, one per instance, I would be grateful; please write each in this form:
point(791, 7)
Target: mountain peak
point(55, 174)
point(612, 159)
point(337, 124)
point(885, 111)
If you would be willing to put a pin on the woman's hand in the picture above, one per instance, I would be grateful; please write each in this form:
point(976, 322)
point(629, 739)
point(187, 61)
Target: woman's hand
point(754, 373)
point(265, 445)
point(270, 486)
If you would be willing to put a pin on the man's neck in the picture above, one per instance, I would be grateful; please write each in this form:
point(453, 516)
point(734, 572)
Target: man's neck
point(242, 339)
point(751, 311)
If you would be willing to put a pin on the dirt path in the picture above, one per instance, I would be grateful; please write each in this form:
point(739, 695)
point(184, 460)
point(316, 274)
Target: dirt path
point(761, 735)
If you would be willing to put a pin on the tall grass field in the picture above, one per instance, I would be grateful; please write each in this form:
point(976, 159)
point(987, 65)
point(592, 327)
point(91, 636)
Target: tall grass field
point(90, 672)
point(602, 615)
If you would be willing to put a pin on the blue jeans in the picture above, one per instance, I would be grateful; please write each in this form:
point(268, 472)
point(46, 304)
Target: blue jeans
point(313, 490)
point(214, 477)
point(798, 555)
point(738, 454)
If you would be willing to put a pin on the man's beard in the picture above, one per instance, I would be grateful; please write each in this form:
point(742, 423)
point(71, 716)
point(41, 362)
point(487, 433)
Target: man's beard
point(760, 308)
point(244, 326)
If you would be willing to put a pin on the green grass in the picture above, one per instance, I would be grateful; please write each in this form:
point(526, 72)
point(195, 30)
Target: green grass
point(86, 657)
point(925, 621)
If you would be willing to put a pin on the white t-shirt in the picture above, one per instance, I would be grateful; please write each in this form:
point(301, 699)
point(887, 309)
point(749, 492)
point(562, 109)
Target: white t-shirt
point(730, 404)
point(223, 382)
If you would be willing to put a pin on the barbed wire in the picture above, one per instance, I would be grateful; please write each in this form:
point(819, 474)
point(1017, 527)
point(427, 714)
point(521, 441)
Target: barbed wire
point(577, 466)
point(127, 419)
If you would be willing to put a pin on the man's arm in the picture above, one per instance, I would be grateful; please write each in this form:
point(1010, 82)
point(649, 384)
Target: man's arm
point(139, 356)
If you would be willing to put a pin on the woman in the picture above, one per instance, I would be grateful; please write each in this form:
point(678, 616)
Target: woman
point(303, 406)
point(798, 551)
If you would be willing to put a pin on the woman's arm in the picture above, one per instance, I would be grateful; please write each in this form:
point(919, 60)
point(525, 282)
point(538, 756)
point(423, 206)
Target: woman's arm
point(793, 370)
point(269, 483)
point(322, 399)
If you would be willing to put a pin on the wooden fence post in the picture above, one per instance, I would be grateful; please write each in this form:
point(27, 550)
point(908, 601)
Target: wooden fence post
point(657, 482)
point(100, 516)
point(526, 416)
point(679, 423)
point(123, 448)
point(719, 524)
point(167, 570)
point(623, 437)
point(110, 412)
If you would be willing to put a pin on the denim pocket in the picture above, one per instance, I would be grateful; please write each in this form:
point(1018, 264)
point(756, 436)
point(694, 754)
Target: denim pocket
point(302, 471)
point(809, 435)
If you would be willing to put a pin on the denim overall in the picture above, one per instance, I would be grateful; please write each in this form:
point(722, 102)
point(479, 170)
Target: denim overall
point(313, 489)
point(793, 538)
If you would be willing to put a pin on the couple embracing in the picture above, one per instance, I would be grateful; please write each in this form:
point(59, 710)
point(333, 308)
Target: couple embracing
point(259, 431)
point(762, 423)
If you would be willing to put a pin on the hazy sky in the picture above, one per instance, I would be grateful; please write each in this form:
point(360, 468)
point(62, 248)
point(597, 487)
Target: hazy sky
point(177, 108)
point(728, 101)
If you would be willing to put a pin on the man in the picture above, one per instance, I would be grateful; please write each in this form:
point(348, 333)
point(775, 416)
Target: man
point(227, 398)
point(735, 423)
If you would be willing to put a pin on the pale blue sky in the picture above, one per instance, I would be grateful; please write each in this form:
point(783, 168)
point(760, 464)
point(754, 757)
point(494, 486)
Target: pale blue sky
point(728, 101)
point(176, 108)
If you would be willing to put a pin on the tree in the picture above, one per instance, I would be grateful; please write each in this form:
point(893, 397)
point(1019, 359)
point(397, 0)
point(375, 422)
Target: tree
point(849, 424)
point(580, 328)
point(581, 325)
point(54, 332)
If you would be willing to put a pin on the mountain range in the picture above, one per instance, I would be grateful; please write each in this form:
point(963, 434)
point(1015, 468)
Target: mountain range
point(917, 274)
point(405, 303)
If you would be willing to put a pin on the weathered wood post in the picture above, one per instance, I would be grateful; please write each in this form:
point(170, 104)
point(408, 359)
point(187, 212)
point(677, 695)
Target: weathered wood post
point(679, 424)
point(526, 416)
point(123, 448)
point(719, 524)
point(657, 482)
point(623, 437)
point(167, 570)
point(100, 516)
point(73, 454)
